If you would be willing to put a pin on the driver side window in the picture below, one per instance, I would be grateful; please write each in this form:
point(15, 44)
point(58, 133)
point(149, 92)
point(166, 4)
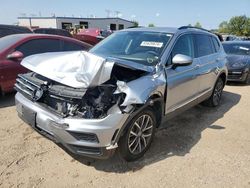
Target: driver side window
point(184, 46)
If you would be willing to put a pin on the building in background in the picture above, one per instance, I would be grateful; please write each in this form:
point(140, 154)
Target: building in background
point(69, 22)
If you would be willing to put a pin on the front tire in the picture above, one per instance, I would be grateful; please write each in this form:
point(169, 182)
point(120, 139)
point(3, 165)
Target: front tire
point(215, 98)
point(138, 136)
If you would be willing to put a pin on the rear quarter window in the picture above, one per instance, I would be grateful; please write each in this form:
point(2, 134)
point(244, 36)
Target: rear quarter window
point(216, 44)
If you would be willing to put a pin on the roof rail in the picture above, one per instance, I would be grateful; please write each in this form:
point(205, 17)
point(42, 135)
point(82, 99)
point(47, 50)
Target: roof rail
point(192, 27)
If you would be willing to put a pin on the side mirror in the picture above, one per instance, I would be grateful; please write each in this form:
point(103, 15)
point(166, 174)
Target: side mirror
point(181, 60)
point(16, 56)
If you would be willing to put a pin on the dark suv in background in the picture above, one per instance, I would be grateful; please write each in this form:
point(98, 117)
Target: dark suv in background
point(238, 55)
point(121, 89)
point(12, 29)
point(53, 31)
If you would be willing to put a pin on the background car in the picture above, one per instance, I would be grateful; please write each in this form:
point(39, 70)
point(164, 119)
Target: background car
point(92, 35)
point(12, 29)
point(52, 31)
point(14, 48)
point(238, 55)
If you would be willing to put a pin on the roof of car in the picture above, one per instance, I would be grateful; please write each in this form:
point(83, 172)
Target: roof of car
point(170, 30)
point(18, 37)
point(236, 42)
point(154, 29)
point(26, 35)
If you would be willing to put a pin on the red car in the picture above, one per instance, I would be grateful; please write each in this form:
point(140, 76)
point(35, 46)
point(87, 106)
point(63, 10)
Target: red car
point(92, 35)
point(14, 48)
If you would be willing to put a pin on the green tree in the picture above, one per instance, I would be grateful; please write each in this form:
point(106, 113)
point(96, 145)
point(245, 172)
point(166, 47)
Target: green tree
point(136, 23)
point(247, 28)
point(238, 25)
point(198, 24)
point(151, 25)
point(223, 27)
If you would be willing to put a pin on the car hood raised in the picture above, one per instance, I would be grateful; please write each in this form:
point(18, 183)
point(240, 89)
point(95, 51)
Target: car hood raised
point(78, 69)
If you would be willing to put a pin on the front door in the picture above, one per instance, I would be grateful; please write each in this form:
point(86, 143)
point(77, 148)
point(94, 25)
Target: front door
point(182, 81)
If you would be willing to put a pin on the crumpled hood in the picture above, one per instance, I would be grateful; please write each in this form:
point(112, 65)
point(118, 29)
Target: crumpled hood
point(78, 69)
point(236, 59)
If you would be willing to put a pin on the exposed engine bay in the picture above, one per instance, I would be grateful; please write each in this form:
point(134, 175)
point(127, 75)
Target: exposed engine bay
point(84, 85)
point(93, 102)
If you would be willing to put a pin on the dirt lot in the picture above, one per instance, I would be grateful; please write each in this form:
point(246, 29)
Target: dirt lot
point(204, 147)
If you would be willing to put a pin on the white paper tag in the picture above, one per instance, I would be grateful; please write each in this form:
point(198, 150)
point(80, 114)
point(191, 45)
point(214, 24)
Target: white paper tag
point(152, 44)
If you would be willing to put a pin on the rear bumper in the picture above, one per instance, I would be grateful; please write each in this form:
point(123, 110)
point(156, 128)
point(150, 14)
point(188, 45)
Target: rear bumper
point(238, 75)
point(89, 137)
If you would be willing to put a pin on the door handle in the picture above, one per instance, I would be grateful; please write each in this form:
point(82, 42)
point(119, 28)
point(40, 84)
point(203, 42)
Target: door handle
point(219, 59)
point(197, 67)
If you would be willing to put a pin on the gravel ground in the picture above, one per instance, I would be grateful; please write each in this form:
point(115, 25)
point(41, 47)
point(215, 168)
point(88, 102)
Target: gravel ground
point(203, 147)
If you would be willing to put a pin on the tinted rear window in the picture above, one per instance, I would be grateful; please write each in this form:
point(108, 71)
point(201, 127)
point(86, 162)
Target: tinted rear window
point(203, 45)
point(70, 46)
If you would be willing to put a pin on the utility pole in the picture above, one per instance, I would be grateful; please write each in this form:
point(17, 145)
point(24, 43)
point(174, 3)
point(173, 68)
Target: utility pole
point(117, 14)
point(108, 12)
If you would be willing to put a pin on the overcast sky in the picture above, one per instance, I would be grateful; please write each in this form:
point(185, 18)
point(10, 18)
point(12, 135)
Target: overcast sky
point(209, 13)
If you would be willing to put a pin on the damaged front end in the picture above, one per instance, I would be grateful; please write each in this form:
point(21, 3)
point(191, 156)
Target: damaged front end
point(84, 101)
point(86, 86)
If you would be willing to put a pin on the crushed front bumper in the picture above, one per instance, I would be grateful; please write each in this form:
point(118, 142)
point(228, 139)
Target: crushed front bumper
point(89, 137)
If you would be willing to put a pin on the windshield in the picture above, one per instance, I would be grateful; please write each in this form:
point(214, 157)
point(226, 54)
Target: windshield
point(237, 49)
point(139, 46)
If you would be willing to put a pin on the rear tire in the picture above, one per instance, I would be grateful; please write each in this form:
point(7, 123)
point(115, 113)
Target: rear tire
point(138, 136)
point(215, 98)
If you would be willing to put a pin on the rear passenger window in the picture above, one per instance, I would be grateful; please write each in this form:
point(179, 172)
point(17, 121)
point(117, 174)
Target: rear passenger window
point(203, 45)
point(70, 46)
point(216, 44)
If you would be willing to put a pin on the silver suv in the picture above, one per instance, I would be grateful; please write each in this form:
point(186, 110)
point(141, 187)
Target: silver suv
point(118, 93)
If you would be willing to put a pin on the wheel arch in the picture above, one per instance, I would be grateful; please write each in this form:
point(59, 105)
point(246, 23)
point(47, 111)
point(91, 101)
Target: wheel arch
point(223, 76)
point(155, 102)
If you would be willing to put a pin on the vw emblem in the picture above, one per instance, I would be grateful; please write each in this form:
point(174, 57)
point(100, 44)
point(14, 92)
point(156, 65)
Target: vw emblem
point(37, 94)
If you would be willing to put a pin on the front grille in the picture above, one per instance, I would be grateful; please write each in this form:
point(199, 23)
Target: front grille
point(234, 76)
point(25, 86)
point(87, 137)
point(40, 89)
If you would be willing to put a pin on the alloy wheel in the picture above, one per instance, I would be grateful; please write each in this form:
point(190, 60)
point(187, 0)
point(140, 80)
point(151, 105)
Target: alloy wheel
point(140, 134)
point(218, 92)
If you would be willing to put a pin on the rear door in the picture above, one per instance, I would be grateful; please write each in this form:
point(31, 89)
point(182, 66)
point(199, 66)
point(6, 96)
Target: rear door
point(182, 81)
point(207, 55)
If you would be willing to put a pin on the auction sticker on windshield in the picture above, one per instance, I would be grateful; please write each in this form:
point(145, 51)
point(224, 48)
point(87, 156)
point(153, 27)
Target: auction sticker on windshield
point(152, 44)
